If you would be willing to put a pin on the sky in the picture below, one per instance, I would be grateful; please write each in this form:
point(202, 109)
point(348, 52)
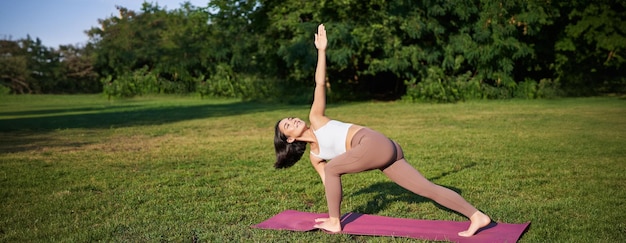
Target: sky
point(62, 22)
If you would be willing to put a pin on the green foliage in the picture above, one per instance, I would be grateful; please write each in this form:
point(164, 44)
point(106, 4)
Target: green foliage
point(4, 90)
point(27, 66)
point(530, 89)
point(548, 88)
point(256, 88)
point(160, 45)
point(526, 89)
point(373, 44)
point(222, 83)
point(255, 49)
point(43, 64)
point(119, 88)
point(591, 56)
point(77, 70)
point(226, 83)
point(14, 70)
point(437, 87)
point(141, 82)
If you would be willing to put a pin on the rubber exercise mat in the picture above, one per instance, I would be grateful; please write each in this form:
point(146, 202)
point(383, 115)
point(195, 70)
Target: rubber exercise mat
point(363, 224)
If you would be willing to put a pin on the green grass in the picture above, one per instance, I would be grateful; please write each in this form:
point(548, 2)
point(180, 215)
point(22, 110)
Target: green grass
point(82, 168)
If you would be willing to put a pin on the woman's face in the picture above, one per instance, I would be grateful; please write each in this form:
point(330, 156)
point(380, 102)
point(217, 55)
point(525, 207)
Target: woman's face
point(292, 127)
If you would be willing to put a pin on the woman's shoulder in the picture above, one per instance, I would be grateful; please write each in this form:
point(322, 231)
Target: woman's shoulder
point(318, 122)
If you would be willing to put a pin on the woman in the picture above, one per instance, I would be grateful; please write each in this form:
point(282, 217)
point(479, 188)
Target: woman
point(339, 148)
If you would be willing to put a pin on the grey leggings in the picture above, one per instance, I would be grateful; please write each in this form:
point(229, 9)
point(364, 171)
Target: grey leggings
point(372, 150)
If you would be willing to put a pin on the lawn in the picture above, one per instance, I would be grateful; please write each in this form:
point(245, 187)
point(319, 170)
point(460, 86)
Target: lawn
point(168, 168)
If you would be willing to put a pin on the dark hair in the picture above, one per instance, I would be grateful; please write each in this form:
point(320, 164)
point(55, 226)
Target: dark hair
point(287, 154)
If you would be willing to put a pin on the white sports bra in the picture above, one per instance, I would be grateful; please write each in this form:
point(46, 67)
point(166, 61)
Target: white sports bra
point(331, 139)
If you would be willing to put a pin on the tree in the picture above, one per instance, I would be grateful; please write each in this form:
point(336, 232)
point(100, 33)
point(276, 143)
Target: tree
point(167, 47)
point(377, 45)
point(79, 75)
point(43, 63)
point(13, 67)
point(591, 55)
point(436, 50)
point(30, 67)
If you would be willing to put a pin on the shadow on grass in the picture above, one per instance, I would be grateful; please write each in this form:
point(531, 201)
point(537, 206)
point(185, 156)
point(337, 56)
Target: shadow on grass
point(124, 116)
point(11, 142)
point(29, 133)
point(54, 111)
point(387, 193)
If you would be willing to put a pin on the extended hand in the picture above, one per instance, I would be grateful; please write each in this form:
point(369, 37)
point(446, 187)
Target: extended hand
point(320, 38)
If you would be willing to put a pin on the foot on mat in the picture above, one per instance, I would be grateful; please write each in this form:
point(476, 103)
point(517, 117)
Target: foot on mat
point(478, 220)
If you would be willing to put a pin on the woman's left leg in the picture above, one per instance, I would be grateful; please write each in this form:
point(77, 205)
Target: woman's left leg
point(403, 174)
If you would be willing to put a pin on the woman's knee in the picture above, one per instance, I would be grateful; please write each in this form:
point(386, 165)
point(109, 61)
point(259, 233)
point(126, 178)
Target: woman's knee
point(331, 169)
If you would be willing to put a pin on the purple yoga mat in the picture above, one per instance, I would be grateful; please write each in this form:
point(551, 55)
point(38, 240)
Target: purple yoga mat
point(363, 224)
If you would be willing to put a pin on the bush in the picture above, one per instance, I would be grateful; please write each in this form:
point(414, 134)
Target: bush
point(224, 83)
point(221, 84)
point(526, 89)
point(254, 88)
point(120, 87)
point(141, 82)
point(441, 88)
point(548, 88)
point(4, 90)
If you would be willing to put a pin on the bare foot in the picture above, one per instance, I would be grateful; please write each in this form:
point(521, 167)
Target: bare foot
point(329, 224)
point(478, 220)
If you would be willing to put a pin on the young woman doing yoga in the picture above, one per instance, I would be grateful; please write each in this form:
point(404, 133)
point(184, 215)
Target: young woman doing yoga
point(339, 148)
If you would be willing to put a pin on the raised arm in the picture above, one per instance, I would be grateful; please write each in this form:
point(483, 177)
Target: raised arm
point(316, 115)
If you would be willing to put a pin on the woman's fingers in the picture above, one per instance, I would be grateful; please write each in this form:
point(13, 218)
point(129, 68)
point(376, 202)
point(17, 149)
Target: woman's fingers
point(321, 30)
point(320, 37)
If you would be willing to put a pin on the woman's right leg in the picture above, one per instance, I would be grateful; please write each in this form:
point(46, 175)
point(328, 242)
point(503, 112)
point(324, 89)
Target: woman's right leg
point(370, 150)
point(402, 173)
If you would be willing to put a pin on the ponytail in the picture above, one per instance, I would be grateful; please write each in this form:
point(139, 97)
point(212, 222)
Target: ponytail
point(287, 154)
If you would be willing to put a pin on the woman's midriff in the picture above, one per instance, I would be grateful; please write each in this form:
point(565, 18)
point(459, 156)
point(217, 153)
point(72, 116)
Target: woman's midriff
point(352, 130)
